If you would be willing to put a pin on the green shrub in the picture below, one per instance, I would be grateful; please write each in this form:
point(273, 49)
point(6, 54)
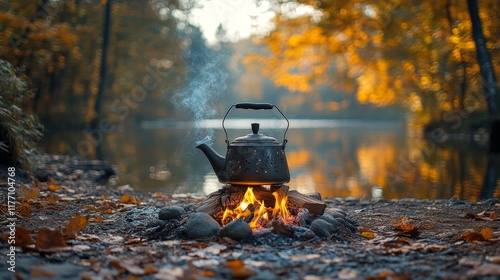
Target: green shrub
point(19, 130)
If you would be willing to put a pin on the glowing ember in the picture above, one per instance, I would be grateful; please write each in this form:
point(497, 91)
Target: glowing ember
point(254, 210)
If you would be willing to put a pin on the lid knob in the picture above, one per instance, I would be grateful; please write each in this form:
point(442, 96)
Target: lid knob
point(255, 128)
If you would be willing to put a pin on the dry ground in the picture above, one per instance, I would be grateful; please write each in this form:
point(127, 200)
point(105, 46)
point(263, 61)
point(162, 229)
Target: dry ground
point(70, 227)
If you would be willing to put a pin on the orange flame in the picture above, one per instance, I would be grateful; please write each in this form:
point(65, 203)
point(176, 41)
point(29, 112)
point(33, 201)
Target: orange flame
point(251, 206)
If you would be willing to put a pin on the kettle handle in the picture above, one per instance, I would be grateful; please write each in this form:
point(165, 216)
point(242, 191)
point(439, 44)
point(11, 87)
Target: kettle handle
point(256, 106)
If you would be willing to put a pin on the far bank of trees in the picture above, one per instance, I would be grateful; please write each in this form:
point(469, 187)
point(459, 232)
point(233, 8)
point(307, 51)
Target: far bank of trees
point(420, 54)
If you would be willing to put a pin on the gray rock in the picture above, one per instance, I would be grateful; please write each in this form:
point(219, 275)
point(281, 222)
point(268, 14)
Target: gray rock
point(156, 224)
point(237, 230)
point(322, 228)
point(330, 219)
point(171, 213)
point(315, 195)
point(336, 212)
point(201, 225)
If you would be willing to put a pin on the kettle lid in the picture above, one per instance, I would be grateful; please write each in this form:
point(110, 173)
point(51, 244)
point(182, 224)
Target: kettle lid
point(256, 138)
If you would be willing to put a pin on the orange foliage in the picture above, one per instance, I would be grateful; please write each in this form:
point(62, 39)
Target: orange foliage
point(424, 51)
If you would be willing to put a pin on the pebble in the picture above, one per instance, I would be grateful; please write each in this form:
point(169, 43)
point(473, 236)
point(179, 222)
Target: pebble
point(322, 228)
point(201, 225)
point(330, 219)
point(156, 224)
point(171, 213)
point(237, 230)
point(335, 212)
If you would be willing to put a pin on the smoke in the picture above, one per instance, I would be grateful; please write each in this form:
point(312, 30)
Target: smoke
point(206, 77)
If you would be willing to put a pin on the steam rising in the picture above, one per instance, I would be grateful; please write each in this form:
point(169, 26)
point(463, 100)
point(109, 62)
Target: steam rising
point(206, 76)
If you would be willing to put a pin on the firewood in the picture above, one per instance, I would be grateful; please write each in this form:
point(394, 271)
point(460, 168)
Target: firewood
point(231, 196)
point(298, 200)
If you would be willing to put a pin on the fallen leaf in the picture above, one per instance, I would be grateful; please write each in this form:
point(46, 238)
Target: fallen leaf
point(368, 234)
point(160, 195)
point(128, 199)
point(74, 225)
point(24, 209)
point(23, 237)
point(406, 228)
point(476, 235)
point(239, 269)
point(26, 193)
point(483, 216)
point(50, 239)
point(487, 233)
point(53, 187)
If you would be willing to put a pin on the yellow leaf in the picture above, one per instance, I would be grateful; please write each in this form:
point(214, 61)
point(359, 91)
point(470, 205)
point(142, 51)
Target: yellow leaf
point(239, 269)
point(128, 199)
point(74, 225)
point(487, 233)
point(53, 187)
point(368, 234)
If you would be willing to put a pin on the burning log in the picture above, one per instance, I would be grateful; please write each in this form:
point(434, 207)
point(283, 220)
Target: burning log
point(232, 195)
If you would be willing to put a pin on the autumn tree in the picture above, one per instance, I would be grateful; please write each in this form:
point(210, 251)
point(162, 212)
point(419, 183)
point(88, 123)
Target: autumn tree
point(491, 92)
point(58, 46)
point(416, 53)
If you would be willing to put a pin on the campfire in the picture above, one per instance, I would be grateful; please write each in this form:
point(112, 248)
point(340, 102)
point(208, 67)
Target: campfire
point(260, 205)
point(255, 212)
point(255, 171)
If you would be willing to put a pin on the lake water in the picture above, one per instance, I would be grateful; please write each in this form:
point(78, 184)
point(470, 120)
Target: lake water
point(338, 158)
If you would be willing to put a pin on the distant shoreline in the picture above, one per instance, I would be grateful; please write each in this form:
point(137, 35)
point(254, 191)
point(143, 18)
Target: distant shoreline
point(271, 123)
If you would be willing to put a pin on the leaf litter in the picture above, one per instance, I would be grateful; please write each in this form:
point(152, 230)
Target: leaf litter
point(88, 222)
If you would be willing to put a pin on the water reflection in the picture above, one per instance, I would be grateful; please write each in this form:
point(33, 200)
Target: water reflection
point(335, 158)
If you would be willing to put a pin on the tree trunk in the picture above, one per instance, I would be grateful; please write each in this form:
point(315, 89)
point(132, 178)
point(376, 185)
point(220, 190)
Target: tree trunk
point(94, 124)
point(491, 92)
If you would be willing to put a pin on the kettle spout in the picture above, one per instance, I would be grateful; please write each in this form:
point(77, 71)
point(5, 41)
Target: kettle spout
point(217, 161)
